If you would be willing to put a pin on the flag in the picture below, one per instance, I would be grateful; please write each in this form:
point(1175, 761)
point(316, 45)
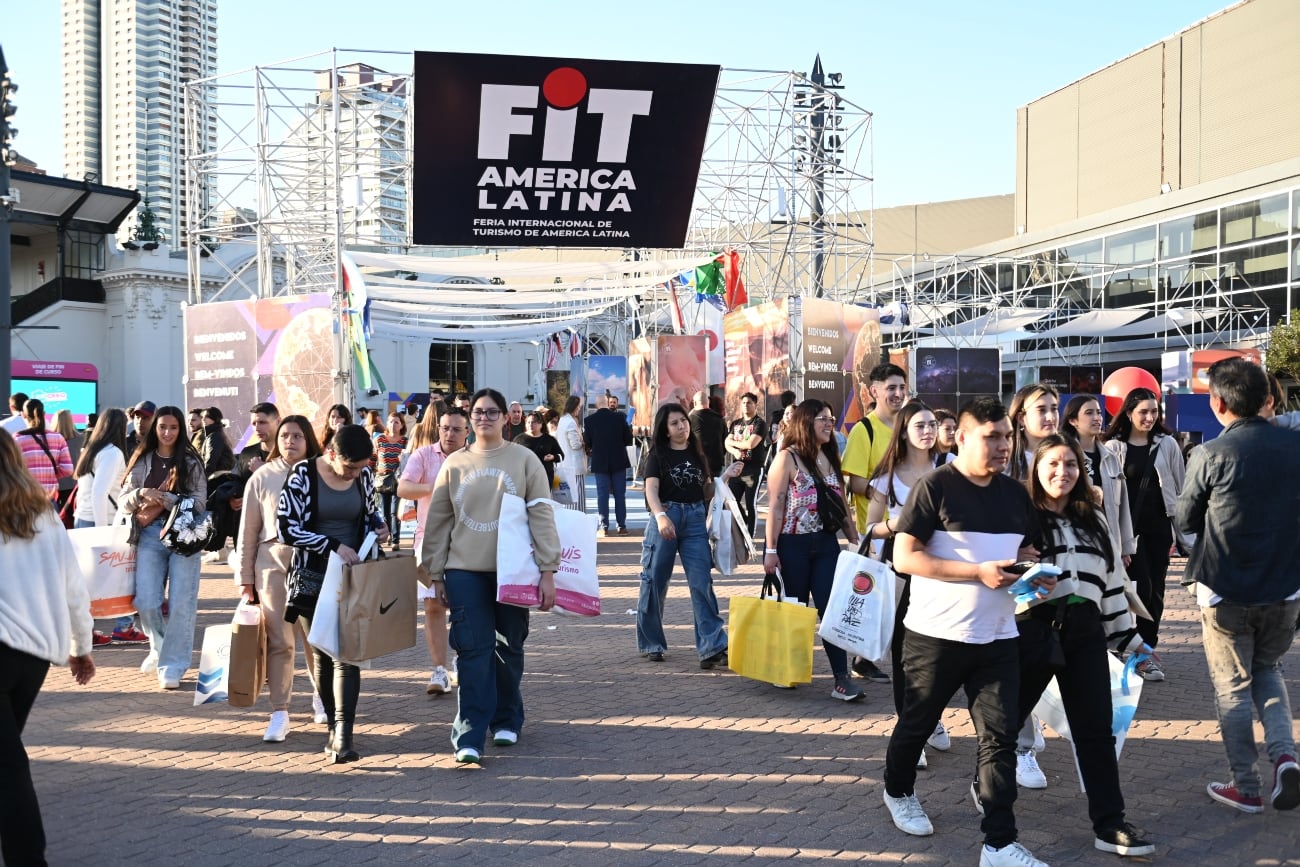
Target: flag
point(708, 279)
point(356, 303)
point(734, 287)
point(674, 308)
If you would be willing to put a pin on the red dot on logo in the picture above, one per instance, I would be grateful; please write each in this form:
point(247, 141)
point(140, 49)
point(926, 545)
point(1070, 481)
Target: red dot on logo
point(564, 87)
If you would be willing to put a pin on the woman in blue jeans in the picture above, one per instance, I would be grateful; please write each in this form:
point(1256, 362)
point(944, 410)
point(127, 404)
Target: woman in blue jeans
point(164, 468)
point(798, 542)
point(459, 555)
point(677, 493)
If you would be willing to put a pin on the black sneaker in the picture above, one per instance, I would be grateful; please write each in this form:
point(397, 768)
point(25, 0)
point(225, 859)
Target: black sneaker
point(719, 658)
point(1124, 840)
point(654, 656)
point(866, 668)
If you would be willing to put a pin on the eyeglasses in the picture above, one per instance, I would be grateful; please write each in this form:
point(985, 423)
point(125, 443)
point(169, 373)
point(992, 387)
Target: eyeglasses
point(825, 418)
point(489, 414)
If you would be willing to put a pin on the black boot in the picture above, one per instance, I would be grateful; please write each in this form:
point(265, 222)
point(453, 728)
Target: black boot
point(347, 688)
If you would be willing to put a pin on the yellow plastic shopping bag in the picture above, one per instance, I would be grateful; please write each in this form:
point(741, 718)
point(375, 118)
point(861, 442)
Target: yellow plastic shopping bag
point(771, 640)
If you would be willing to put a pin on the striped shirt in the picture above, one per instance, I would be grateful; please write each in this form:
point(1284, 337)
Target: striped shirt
point(388, 454)
point(45, 471)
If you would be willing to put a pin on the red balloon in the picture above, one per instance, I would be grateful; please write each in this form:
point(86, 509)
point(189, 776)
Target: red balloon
point(1121, 382)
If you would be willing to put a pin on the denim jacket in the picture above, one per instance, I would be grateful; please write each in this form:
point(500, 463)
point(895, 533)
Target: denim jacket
point(1242, 499)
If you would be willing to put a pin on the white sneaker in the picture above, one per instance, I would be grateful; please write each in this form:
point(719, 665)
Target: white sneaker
point(277, 728)
point(150, 664)
point(922, 763)
point(505, 738)
point(1040, 743)
point(940, 740)
point(468, 756)
point(1028, 774)
point(908, 815)
point(212, 557)
point(318, 714)
point(438, 683)
point(1013, 855)
point(166, 681)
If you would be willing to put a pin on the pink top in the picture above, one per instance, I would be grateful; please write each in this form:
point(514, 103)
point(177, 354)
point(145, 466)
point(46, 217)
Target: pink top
point(422, 468)
point(801, 502)
point(45, 471)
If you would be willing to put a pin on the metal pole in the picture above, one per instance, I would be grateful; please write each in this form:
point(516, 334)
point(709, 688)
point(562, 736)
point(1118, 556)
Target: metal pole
point(6, 206)
point(344, 392)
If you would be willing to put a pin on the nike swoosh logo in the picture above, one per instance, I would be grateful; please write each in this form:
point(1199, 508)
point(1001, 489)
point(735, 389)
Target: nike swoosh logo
point(383, 609)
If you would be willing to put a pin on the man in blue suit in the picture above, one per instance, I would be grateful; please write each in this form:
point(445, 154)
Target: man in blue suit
point(607, 435)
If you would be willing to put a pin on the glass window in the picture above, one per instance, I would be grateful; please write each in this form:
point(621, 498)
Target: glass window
point(1132, 248)
point(1251, 221)
point(1128, 288)
point(451, 368)
point(1083, 251)
point(1295, 211)
point(1260, 265)
point(1189, 234)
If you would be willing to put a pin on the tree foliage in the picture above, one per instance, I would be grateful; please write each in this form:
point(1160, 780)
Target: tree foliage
point(1283, 356)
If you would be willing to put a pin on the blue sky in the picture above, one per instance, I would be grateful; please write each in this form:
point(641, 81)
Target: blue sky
point(942, 78)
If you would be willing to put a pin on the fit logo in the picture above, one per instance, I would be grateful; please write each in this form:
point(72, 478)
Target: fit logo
point(508, 110)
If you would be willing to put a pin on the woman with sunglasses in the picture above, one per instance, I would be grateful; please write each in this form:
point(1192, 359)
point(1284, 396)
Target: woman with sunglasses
point(459, 556)
point(328, 506)
point(799, 542)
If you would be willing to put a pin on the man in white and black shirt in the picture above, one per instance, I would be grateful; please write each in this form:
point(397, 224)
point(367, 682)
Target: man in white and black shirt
point(962, 526)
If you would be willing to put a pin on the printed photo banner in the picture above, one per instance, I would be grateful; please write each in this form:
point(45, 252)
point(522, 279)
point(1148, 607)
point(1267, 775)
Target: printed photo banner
point(556, 152)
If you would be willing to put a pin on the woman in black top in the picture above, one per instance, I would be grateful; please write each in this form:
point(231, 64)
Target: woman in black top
point(327, 506)
point(1153, 470)
point(677, 493)
point(542, 444)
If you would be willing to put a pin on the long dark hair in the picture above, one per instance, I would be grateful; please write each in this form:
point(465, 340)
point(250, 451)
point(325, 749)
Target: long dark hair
point(313, 447)
point(1071, 414)
point(110, 430)
point(185, 450)
point(1080, 508)
point(899, 447)
point(34, 415)
point(1121, 426)
point(800, 435)
point(659, 437)
point(1019, 461)
point(327, 435)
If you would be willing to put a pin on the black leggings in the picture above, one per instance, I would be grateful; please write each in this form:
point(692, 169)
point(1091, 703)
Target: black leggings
point(22, 836)
point(1148, 569)
point(390, 502)
point(340, 687)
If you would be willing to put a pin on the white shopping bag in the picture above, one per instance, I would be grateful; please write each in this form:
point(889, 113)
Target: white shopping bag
point(577, 589)
point(859, 615)
point(107, 560)
point(1125, 690)
point(214, 666)
point(729, 539)
point(324, 633)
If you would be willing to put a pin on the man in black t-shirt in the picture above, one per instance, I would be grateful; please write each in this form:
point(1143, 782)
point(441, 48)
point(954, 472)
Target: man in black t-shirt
point(962, 526)
point(746, 443)
point(710, 430)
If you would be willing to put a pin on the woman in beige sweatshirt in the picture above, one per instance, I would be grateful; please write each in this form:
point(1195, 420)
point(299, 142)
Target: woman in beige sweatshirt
point(459, 555)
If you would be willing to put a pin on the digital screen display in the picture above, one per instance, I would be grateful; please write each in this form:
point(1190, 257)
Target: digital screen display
point(80, 397)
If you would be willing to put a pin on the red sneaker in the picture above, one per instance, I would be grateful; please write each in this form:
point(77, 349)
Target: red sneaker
point(99, 639)
point(1226, 793)
point(131, 635)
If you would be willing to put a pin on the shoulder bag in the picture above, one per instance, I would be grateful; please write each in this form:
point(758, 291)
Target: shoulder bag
point(831, 508)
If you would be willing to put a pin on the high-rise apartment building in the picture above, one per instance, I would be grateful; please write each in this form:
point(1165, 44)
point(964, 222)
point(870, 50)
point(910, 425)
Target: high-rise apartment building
point(125, 64)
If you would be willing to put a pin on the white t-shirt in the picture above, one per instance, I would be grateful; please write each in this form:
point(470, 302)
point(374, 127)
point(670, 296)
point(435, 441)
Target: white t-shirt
point(958, 520)
point(892, 512)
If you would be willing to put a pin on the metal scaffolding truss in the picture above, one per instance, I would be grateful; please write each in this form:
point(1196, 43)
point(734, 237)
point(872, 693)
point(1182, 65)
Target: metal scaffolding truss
point(787, 181)
point(312, 157)
point(1043, 311)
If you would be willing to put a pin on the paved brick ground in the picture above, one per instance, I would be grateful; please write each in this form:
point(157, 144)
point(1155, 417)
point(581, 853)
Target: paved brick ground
point(621, 762)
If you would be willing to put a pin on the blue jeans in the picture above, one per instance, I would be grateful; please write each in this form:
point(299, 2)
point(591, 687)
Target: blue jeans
point(122, 623)
point(489, 637)
point(171, 638)
point(657, 557)
point(616, 484)
point(808, 564)
point(1244, 647)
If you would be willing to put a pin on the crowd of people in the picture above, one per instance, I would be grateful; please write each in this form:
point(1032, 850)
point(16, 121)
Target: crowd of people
point(953, 501)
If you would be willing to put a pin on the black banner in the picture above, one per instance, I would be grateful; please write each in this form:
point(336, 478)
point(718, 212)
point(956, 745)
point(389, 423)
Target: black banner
point(538, 151)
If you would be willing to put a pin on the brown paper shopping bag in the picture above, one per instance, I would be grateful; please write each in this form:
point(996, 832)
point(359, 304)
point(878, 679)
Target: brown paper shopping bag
point(377, 608)
point(247, 656)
